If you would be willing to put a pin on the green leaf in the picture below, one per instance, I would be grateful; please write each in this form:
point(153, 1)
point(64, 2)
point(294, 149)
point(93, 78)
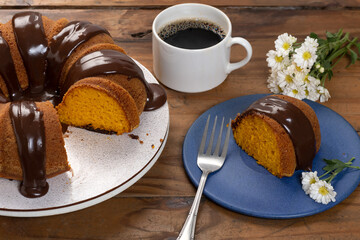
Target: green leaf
point(326, 65)
point(329, 34)
point(345, 38)
point(334, 165)
point(358, 46)
point(332, 39)
point(353, 56)
point(340, 32)
point(322, 41)
point(314, 35)
point(330, 75)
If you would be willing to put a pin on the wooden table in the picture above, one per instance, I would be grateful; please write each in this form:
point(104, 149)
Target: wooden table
point(157, 205)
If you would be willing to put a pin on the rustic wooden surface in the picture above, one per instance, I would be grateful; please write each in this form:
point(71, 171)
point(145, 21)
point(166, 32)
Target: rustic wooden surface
point(157, 205)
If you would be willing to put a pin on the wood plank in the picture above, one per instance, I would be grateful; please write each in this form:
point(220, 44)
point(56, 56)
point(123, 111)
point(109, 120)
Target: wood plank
point(162, 218)
point(332, 4)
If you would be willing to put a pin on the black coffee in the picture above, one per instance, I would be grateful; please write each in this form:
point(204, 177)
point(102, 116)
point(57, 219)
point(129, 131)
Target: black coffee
point(192, 34)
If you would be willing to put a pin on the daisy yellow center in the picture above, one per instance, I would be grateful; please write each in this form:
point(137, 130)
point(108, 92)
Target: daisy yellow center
point(298, 69)
point(295, 91)
point(312, 181)
point(307, 94)
point(278, 58)
point(288, 79)
point(306, 55)
point(286, 46)
point(323, 191)
point(306, 79)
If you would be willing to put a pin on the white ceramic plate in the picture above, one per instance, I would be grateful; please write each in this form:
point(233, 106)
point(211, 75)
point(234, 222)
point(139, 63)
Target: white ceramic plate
point(102, 167)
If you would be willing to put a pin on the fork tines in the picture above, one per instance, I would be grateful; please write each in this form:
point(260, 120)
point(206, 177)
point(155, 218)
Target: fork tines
point(218, 143)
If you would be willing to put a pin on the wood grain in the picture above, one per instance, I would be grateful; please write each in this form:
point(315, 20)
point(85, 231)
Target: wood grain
point(162, 218)
point(157, 205)
point(331, 4)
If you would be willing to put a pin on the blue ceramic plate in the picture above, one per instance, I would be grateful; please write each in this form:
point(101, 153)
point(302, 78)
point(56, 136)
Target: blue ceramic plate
point(243, 186)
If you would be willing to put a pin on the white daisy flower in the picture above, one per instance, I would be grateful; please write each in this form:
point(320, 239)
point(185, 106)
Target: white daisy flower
point(300, 70)
point(322, 192)
point(311, 86)
point(324, 93)
point(305, 56)
point(312, 93)
point(287, 78)
point(296, 91)
point(276, 61)
point(273, 84)
point(307, 179)
point(311, 82)
point(283, 44)
point(312, 42)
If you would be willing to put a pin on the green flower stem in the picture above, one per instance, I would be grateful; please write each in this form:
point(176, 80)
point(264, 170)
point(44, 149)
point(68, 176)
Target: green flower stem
point(338, 60)
point(334, 167)
point(323, 78)
point(324, 174)
point(342, 51)
point(354, 167)
point(336, 54)
point(329, 179)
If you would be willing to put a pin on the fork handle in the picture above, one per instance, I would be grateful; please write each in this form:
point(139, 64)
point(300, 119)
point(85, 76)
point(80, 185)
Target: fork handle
point(188, 230)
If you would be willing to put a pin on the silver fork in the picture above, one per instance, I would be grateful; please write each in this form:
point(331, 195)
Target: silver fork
point(208, 163)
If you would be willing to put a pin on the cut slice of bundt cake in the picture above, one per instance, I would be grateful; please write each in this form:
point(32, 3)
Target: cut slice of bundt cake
point(31, 147)
point(99, 104)
point(282, 133)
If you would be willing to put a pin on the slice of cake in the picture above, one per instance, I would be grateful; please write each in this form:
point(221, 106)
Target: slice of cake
point(99, 104)
point(282, 133)
point(31, 147)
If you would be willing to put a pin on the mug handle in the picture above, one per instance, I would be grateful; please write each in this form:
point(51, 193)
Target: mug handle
point(243, 42)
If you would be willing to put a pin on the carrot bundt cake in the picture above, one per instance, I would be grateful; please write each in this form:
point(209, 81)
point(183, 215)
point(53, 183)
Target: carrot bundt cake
point(282, 133)
point(68, 72)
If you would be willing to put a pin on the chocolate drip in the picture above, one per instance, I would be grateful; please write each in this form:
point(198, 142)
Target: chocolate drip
point(29, 131)
point(296, 124)
point(64, 43)
point(114, 62)
point(33, 51)
point(7, 71)
point(32, 44)
point(156, 98)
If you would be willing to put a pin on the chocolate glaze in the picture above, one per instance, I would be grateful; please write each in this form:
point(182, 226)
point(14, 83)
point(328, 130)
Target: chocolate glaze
point(113, 62)
point(156, 98)
point(64, 43)
point(296, 124)
point(32, 44)
point(64, 127)
point(7, 71)
point(29, 131)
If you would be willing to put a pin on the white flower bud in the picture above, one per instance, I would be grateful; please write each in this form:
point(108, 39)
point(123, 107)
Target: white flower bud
point(317, 65)
point(321, 69)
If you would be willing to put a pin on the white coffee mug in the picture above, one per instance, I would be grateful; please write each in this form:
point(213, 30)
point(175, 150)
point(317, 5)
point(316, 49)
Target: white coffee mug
point(194, 70)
